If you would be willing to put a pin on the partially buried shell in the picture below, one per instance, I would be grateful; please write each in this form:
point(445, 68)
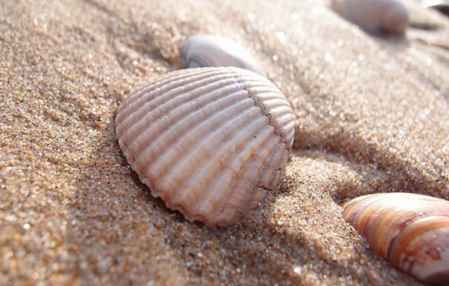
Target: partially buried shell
point(440, 5)
point(208, 141)
point(389, 16)
point(410, 230)
point(214, 51)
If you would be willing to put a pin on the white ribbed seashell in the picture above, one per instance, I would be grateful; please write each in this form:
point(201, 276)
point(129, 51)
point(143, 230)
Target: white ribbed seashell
point(208, 141)
point(409, 230)
point(390, 16)
point(214, 51)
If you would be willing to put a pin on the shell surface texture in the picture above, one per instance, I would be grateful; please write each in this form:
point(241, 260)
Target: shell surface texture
point(208, 141)
point(215, 51)
point(374, 16)
point(409, 230)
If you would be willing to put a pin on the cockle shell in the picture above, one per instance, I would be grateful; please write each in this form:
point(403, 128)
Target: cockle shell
point(214, 51)
point(390, 16)
point(409, 230)
point(208, 141)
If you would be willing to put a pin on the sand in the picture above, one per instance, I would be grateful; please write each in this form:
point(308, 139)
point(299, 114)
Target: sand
point(372, 117)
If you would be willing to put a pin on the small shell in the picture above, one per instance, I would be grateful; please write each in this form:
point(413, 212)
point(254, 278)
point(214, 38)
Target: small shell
point(440, 5)
point(389, 16)
point(208, 141)
point(409, 230)
point(213, 51)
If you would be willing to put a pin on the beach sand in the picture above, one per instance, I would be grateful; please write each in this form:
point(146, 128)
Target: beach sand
point(372, 117)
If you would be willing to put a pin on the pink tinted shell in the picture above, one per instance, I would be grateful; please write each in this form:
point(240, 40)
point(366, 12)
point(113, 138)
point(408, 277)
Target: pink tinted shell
point(208, 141)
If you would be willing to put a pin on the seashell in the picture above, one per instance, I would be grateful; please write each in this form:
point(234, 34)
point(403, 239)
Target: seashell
point(389, 16)
point(214, 51)
point(208, 141)
point(440, 5)
point(409, 230)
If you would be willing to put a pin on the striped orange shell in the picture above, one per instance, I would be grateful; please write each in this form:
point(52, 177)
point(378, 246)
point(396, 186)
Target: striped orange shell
point(410, 230)
point(208, 141)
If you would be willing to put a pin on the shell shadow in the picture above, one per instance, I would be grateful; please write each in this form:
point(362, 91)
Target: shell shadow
point(393, 172)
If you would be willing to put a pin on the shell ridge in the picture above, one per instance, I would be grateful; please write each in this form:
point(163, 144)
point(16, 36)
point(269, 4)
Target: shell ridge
point(191, 158)
point(279, 171)
point(266, 154)
point(170, 95)
point(136, 98)
point(176, 76)
point(262, 108)
point(275, 102)
point(268, 180)
point(161, 90)
point(200, 128)
point(199, 125)
point(263, 139)
point(137, 121)
point(268, 163)
point(213, 161)
point(152, 122)
point(276, 129)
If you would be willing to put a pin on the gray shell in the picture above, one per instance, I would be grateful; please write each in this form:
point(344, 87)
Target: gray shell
point(374, 16)
point(434, 3)
point(440, 5)
point(214, 51)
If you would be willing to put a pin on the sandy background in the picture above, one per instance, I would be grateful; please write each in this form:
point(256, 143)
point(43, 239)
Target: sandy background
point(372, 117)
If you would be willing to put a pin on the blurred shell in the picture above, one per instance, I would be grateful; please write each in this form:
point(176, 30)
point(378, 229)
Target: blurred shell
point(389, 16)
point(410, 230)
point(440, 5)
point(208, 141)
point(213, 51)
